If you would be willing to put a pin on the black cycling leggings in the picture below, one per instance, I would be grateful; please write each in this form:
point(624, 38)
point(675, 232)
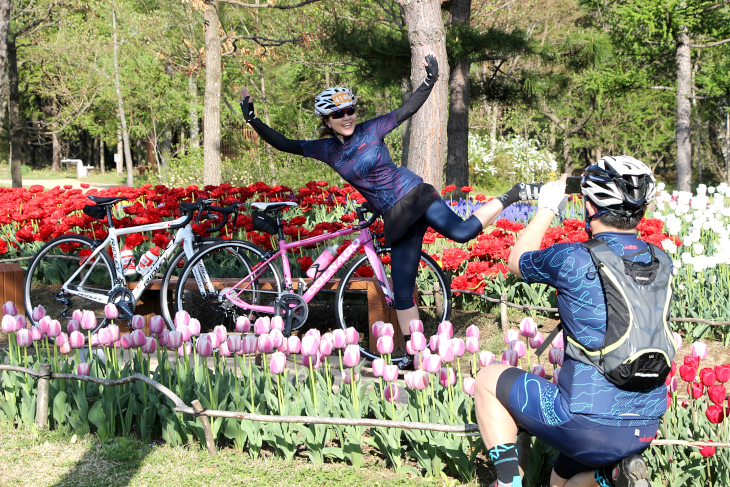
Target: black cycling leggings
point(405, 253)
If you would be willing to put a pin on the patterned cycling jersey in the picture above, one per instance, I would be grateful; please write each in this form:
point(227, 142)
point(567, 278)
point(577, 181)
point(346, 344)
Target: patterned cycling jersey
point(582, 305)
point(364, 161)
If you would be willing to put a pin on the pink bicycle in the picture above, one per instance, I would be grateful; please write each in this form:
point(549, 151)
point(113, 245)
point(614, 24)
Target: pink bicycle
point(244, 280)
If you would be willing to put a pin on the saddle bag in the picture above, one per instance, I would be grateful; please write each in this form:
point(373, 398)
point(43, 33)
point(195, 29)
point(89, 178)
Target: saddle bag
point(95, 211)
point(263, 223)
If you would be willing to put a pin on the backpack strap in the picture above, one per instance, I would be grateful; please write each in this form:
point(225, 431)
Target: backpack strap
point(541, 349)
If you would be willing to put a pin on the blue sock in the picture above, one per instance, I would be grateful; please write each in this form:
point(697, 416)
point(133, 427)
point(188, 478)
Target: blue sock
point(504, 458)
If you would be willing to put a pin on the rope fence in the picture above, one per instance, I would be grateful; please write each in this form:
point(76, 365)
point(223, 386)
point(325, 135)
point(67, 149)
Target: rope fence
point(44, 376)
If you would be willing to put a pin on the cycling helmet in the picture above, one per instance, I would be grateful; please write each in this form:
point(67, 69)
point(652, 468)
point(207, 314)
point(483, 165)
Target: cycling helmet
point(622, 185)
point(333, 99)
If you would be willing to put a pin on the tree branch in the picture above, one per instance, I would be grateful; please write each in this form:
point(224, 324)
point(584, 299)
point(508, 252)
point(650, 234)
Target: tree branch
point(716, 6)
point(712, 44)
point(268, 5)
point(264, 41)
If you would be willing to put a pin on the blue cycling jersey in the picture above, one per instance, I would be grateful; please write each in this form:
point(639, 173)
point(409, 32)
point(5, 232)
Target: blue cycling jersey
point(364, 161)
point(581, 302)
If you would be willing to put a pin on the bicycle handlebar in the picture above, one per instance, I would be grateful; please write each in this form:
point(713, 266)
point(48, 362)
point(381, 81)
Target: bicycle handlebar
point(225, 211)
point(190, 208)
point(361, 215)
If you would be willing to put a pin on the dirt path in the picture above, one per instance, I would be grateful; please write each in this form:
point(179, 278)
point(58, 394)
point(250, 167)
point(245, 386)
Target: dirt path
point(51, 183)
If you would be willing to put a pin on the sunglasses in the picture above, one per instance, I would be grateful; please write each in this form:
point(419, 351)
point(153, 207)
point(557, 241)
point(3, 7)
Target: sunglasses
point(341, 113)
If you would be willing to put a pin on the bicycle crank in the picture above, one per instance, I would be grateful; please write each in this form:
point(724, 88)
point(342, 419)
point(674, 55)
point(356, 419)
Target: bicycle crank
point(124, 300)
point(293, 309)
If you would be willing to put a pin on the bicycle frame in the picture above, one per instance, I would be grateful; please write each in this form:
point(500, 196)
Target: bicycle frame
point(364, 239)
point(183, 236)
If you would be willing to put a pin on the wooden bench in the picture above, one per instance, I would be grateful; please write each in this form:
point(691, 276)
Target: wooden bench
point(11, 286)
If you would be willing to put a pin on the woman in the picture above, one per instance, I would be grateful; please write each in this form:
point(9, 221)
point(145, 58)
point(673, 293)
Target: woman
point(408, 205)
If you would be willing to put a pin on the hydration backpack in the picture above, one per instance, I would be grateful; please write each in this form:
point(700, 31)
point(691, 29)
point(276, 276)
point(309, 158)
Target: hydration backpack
point(638, 347)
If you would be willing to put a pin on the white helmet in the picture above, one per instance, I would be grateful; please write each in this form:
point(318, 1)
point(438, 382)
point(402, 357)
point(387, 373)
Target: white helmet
point(333, 99)
point(623, 185)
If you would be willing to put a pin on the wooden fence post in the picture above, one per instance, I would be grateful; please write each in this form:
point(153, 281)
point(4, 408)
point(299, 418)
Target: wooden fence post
point(503, 311)
point(206, 428)
point(41, 405)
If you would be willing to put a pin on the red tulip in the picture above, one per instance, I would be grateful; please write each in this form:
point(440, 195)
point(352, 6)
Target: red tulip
point(715, 414)
point(695, 390)
point(688, 373)
point(717, 394)
point(707, 376)
point(722, 373)
point(707, 451)
point(692, 361)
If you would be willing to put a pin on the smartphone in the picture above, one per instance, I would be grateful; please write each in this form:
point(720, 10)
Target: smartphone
point(573, 185)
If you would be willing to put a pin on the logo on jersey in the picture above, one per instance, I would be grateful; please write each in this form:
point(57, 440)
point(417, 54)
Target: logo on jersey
point(630, 247)
point(341, 98)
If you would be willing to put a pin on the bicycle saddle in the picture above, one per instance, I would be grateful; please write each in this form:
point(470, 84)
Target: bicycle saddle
point(278, 206)
point(107, 200)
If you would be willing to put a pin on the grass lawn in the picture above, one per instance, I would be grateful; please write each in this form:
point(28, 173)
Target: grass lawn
point(110, 177)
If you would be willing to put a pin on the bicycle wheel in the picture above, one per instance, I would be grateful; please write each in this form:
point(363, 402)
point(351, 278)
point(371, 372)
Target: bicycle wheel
point(54, 265)
point(360, 300)
point(171, 277)
point(226, 264)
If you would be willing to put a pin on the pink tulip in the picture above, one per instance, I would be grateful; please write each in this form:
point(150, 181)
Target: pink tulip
point(88, 320)
point(185, 330)
point(138, 338)
point(485, 358)
point(277, 363)
point(203, 346)
point(556, 372)
point(339, 339)
point(447, 328)
point(277, 337)
point(261, 326)
point(111, 312)
point(537, 340)
point(326, 346)
point(38, 313)
point(677, 339)
point(347, 374)
point(385, 344)
point(378, 367)
point(417, 380)
point(150, 345)
point(24, 338)
point(375, 329)
point(43, 324)
point(185, 349)
point(510, 336)
point(174, 340)
point(415, 326)
point(672, 386)
point(446, 351)
point(65, 348)
point(249, 344)
point(220, 333)
point(94, 340)
point(243, 325)
point(315, 333)
point(418, 341)
point(76, 339)
point(447, 377)
point(351, 357)
point(8, 324)
point(472, 344)
point(509, 357)
point(558, 341)
point(295, 344)
point(234, 343)
point(315, 360)
point(444, 339)
point(310, 345)
point(699, 350)
point(387, 330)
point(556, 356)
point(76, 315)
point(83, 369)
point(352, 337)
point(162, 337)
point(538, 370)
point(432, 364)
point(157, 324)
point(114, 330)
point(182, 318)
point(54, 328)
point(390, 373)
point(468, 385)
point(194, 326)
point(391, 392)
point(409, 348)
point(36, 333)
point(138, 322)
point(61, 339)
point(277, 323)
point(105, 337)
point(20, 323)
point(433, 343)
point(223, 349)
point(73, 326)
point(528, 327)
point(127, 342)
point(265, 344)
point(459, 347)
point(472, 332)
point(519, 347)
point(422, 359)
point(10, 309)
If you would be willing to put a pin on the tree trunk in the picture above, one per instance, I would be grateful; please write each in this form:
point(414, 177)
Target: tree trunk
point(457, 158)
point(567, 156)
point(212, 108)
point(267, 119)
point(194, 122)
point(102, 145)
point(14, 129)
point(120, 151)
point(727, 147)
point(428, 126)
point(122, 117)
point(405, 136)
point(684, 111)
point(4, 30)
point(55, 141)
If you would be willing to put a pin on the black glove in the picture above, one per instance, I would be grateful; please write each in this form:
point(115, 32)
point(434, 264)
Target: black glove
point(247, 109)
point(432, 70)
